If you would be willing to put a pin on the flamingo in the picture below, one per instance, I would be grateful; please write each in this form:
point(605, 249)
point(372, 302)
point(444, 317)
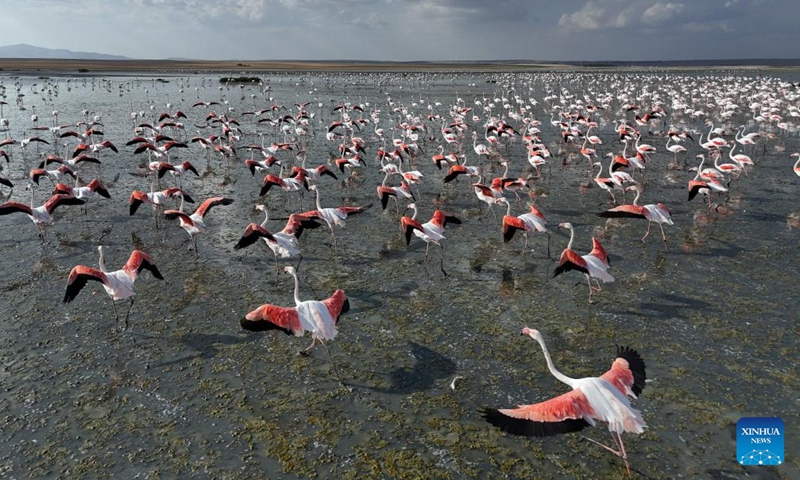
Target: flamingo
point(283, 244)
point(704, 186)
point(318, 317)
point(384, 192)
point(332, 216)
point(741, 159)
point(42, 214)
point(527, 222)
point(658, 213)
point(675, 149)
point(594, 264)
point(55, 176)
point(155, 198)
point(796, 167)
point(603, 398)
point(118, 284)
point(431, 231)
point(607, 184)
point(195, 223)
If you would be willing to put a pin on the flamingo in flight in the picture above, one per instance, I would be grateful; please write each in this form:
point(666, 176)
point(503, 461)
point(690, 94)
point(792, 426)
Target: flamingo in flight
point(658, 213)
point(318, 317)
point(594, 264)
point(42, 214)
point(195, 223)
point(283, 244)
point(332, 216)
point(527, 222)
point(603, 398)
point(118, 284)
point(431, 231)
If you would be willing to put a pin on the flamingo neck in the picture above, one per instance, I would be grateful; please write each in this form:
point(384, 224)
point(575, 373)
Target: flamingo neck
point(569, 247)
point(414, 216)
point(316, 192)
point(636, 198)
point(266, 218)
point(600, 171)
point(560, 376)
point(385, 179)
point(180, 207)
point(296, 289)
point(102, 261)
point(508, 208)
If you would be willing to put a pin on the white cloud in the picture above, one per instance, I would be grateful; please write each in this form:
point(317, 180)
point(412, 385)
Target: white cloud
point(250, 9)
point(587, 18)
point(661, 12)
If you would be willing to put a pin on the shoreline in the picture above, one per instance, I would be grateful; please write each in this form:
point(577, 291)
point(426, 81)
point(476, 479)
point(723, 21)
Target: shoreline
point(22, 66)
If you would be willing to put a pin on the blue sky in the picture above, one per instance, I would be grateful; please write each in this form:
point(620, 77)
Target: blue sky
point(409, 29)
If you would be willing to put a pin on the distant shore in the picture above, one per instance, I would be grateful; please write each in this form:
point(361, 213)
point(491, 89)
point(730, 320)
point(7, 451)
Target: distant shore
point(89, 67)
point(199, 66)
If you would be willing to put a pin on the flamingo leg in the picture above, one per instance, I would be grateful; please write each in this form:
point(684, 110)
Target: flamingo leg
point(620, 453)
point(277, 267)
point(308, 348)
point(335, 368)
point(548, 245)
point(114, 306)
point(648, 230)
point(129, 312)
point(663, 235)
point(441, 263)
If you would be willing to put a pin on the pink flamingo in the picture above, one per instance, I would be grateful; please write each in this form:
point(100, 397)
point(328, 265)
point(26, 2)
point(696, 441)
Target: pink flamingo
point(603, 398)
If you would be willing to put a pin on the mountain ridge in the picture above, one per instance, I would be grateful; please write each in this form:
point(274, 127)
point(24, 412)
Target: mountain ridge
point(24, 50)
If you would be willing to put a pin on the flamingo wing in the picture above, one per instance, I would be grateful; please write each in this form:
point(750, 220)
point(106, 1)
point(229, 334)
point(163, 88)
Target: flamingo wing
point(409, 225)
point(173, 214)
point(11, 207)
point(627, 373)
point(337, 304)
point(510, 226)
point(273, 317)
point(694, 188)
point(210, 203)
point(599, 252)
point(570, 261)
point(139, 261)
point(137, 198)
point(563, 414)
point(251, 235)
point(624, 211)
point(78, 277)
point(353, 210)
point(443, 218)
point(58, 200)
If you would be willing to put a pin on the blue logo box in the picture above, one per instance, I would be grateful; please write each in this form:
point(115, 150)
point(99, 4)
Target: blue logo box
point(759, 441)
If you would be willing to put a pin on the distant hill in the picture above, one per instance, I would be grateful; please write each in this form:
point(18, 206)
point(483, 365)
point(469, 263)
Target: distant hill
point(23, 50)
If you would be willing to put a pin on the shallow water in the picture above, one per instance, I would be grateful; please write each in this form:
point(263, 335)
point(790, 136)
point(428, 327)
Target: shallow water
point(184, 392)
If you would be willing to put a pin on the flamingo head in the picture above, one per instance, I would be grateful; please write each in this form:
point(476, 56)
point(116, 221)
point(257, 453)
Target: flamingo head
point(312, 188)
point(566, 225)
point(795, 155)
point(260, 207)
point(632, 188)
point(289, 269)
point(532, 332)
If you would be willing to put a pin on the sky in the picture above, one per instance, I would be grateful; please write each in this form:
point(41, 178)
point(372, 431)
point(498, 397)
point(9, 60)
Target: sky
point(408, 30)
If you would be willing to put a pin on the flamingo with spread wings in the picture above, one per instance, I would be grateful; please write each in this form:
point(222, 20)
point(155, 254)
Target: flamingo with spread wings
point(603, 398)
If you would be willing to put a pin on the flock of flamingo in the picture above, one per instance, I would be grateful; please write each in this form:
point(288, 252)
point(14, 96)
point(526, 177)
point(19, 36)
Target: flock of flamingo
point(501, 147)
